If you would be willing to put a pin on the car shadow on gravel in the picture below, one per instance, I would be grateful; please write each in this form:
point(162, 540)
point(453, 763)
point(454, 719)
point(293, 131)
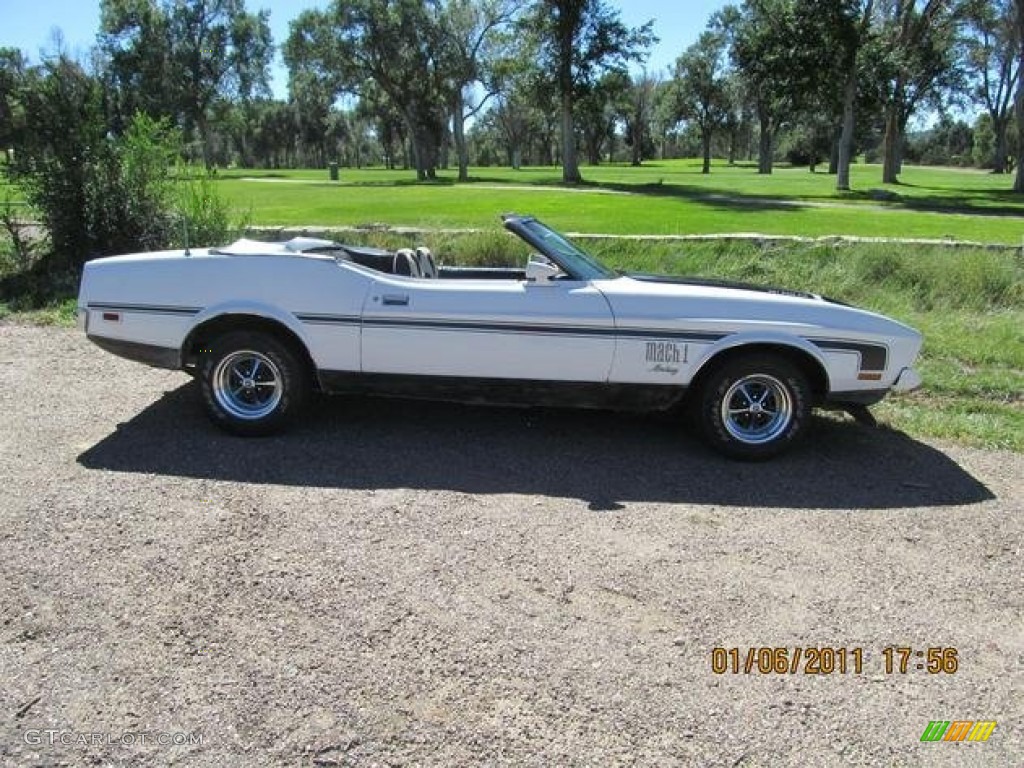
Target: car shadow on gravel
point(601, 458)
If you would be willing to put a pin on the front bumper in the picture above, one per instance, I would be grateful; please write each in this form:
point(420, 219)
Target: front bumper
point(907, 381)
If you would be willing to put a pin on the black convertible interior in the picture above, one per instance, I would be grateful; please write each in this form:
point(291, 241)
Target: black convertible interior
point(418, 262)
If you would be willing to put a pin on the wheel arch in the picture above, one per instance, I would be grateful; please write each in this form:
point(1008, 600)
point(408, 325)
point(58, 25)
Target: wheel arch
point(805, 358)
point(220, 323)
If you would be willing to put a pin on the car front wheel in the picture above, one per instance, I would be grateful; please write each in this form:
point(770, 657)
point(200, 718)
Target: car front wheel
point(754, 407)
point(251, 383)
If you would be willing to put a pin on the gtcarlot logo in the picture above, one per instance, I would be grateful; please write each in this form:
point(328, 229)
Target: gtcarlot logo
point(51, 738)
point(958, 730)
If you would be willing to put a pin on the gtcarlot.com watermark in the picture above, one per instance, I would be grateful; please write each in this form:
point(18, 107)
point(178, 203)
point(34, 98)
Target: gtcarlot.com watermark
point(47, 737)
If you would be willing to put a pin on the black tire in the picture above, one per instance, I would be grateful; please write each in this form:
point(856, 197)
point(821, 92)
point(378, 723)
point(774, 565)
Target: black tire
point(252, 383)
point(754, 407)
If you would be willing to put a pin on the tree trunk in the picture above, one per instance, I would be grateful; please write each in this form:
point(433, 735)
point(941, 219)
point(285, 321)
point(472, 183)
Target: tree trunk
point(459, 134)
point(425, 141)
point(833, 151)
point(203, 129)
point(846, 137)
point(1002, 151)
point(637, 154)
point(705, 140)
point(764, 147)
point(891, 161)
point(570, 161)
point(1018, 184)
point(892, 164)
point(417, 149)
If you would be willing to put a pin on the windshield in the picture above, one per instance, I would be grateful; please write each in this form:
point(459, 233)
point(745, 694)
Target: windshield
point(576, 262)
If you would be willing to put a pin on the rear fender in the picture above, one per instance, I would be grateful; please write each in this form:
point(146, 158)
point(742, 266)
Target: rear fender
point(254, 309)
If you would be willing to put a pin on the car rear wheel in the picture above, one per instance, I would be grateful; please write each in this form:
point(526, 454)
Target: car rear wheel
point(754, 407)
point(252, 384)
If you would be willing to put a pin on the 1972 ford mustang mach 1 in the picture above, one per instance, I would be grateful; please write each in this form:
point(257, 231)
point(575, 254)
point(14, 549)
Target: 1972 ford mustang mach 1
point(261, 325)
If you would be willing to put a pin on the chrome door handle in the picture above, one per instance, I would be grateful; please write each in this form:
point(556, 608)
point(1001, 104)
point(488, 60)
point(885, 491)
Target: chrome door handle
point(396, 300)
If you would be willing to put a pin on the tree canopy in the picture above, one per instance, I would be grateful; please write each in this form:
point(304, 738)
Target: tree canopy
point(426, 84)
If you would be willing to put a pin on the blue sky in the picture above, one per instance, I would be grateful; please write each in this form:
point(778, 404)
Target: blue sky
point(30, 25)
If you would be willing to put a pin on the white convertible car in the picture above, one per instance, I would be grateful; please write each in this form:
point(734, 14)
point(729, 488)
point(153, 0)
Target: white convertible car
point(261, 325)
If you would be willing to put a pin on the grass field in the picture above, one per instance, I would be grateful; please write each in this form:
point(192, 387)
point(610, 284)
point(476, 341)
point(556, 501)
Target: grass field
point(670, 197)
point(969, 303)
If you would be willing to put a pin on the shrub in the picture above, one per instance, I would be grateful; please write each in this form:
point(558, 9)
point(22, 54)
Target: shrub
point(98, 193)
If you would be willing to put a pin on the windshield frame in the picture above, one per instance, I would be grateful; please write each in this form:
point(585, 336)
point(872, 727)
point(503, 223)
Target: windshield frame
point(573, 260)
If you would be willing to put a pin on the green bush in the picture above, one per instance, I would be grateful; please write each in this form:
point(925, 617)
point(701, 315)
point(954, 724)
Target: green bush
point(100, 193)
point(95, 192)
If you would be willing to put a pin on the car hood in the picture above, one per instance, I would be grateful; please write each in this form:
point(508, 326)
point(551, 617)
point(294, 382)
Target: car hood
point(726, 307)
point(715, 283)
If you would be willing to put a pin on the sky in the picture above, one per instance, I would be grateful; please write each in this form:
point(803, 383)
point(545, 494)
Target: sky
point(30, 26)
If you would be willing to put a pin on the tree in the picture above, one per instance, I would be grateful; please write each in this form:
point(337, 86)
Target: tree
point(311, 104)
point(13, 71)
point(180, 59)
point(738, 123)
point(1018, 184)
point(762, 34)
point(396, 45)
point(638, 116)
point(920, 37)
point(853, 29)
point(218, 50)
point(375, 107)
point(516, 120)
point(701, 82)
point(135, 40)
point(580, 40)
point(785, 53)
point(473, 50)
point(598, 111)
point(993, 62)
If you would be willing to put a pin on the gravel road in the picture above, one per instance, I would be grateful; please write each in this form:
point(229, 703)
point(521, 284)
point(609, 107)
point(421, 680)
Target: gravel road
point(401, 583)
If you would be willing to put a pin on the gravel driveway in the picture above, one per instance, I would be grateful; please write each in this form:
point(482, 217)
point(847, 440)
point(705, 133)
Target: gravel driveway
point(401, 583)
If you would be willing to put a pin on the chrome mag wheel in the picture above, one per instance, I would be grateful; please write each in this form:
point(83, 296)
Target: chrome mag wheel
point(757, 409)
point(247, 384)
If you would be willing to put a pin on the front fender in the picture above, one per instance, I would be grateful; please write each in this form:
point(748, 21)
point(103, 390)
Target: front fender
point(764, 339)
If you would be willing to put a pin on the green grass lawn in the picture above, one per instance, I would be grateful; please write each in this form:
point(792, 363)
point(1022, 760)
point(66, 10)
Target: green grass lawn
point(670, 197)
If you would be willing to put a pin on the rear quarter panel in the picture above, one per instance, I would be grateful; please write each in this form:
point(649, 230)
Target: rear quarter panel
point(159, 298)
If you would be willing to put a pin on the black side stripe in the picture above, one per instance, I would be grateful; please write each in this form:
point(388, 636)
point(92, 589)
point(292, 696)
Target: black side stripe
point(873, 357)
point(317, 319)
point(147, 309)
point(539, 328)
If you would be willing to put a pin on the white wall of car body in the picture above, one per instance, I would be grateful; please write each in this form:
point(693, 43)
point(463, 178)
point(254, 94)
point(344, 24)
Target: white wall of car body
point(502, 330)
point(367, 335)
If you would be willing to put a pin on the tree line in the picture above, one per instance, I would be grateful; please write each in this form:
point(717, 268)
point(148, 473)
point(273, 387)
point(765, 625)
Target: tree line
point(429, 84)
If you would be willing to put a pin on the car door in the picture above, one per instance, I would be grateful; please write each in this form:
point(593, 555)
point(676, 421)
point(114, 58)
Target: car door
point(505, 329)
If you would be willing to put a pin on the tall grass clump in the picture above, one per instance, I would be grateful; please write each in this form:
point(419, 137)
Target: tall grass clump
point(943, 278)
point(202, 216)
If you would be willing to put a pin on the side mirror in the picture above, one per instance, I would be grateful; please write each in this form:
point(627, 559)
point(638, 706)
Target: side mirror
point(541, 272)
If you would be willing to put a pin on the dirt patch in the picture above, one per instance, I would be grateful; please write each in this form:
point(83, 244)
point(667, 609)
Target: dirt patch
point(417, 584)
